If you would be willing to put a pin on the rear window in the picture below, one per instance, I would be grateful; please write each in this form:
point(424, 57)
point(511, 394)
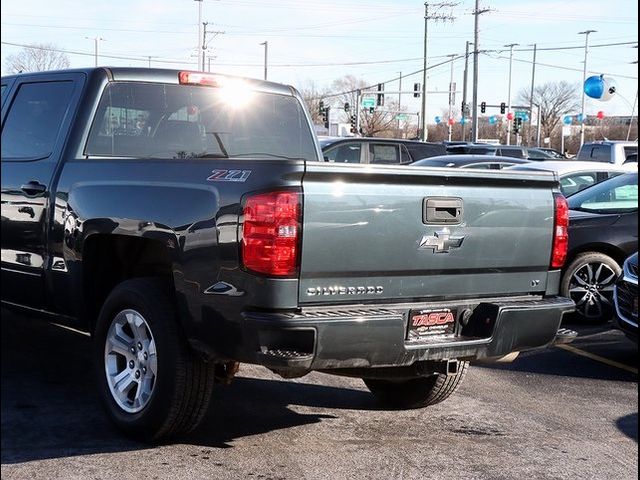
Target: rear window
point(595, 153)
point(147, 120)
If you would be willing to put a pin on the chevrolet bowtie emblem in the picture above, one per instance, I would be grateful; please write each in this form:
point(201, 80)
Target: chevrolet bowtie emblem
point(441, 241)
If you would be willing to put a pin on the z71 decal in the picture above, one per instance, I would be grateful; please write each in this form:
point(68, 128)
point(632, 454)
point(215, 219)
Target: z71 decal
point(229, 175)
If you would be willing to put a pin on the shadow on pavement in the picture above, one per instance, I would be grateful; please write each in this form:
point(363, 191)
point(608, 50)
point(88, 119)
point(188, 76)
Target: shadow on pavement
point(600, 340)
point(629, 425)
point(50, 407)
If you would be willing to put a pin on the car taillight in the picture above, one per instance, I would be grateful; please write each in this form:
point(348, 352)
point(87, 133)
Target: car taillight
point(271, 232)
point(560, 232)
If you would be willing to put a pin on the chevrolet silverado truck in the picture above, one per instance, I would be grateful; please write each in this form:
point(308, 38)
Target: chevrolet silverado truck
point(188, 223)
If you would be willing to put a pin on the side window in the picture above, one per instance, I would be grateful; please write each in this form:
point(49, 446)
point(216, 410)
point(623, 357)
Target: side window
point(384, 153)
point(405, 157)
point(32, 125)
point(345, 153)
point(628, 151)
point(601, 153)
point(579, 181)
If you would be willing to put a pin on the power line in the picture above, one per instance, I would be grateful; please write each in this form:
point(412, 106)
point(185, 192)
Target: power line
point(560, 67)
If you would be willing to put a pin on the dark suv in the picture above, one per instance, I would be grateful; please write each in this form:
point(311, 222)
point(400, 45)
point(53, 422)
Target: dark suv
point(377, 150)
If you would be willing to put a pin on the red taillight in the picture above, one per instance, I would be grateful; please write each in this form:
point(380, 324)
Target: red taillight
point(271, 233)
point(197, 78)
point(560, 232)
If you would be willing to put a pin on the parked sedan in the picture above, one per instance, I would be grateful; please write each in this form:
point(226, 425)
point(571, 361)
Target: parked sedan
point(576, 176)
point(490, 162)
point(626, 298)
point(603, 231)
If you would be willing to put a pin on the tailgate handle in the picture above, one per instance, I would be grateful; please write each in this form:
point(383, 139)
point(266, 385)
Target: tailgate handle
point(442, 210)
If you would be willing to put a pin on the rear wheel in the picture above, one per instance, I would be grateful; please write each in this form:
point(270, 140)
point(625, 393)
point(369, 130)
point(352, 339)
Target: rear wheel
point(416, 392)
point(151, 383)
point(589, 281)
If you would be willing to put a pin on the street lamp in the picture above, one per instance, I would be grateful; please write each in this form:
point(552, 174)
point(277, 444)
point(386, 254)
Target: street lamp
point(95, 47)
point(584, 77)
point(509, 92)
point(266, 47)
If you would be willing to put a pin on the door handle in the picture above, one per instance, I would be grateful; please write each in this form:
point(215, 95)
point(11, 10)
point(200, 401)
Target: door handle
point(33, 188)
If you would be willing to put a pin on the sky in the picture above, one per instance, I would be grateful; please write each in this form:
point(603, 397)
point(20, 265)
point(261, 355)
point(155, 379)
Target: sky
point(317, 42)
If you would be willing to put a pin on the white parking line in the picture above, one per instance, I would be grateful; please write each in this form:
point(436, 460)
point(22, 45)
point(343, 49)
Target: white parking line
point(598, 358)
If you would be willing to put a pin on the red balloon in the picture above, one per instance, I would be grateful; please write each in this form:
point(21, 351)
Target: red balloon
point(451, 121)
point(510, 116)
point(600, 115)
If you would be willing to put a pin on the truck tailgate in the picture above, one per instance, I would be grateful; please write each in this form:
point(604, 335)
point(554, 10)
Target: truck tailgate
point(415, 233)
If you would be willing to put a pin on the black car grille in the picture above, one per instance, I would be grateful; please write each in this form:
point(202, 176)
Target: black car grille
point(627, 295)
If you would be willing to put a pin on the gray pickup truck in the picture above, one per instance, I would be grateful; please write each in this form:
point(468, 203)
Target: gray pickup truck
point(187, 222)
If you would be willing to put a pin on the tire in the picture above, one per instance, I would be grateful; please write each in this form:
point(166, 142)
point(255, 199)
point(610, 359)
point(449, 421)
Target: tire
point(588, 281)
point(162, 389)
point(416, 392)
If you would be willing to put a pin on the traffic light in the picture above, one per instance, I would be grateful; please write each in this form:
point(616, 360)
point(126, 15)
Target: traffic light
point(371, 109)
point(503, 107)
point(517, 124)
point(380, 96)
point(347, 107)
point(483, 107)
point(326, 117)
point(352, 119)
point(416, 90)
point(321, 107)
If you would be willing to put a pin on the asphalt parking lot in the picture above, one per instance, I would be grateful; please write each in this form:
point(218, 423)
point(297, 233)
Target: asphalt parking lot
point(556, 413)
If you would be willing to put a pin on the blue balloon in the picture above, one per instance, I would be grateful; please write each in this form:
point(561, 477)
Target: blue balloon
point(567, 119)
point(438, 119)
point(463, 121)
point(525, 118)
point(594, 86)
point(492, 119)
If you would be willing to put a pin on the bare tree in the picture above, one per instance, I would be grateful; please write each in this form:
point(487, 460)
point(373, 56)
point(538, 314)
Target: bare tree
point(555, 99)
point(312, 95)
point(37, 58)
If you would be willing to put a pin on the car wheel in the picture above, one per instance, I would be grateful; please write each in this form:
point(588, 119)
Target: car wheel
point(589, 281)
point(416, 392)
point(151, 383)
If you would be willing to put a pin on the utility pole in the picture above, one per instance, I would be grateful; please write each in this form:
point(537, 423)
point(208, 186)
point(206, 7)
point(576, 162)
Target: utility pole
point(511, 45)
point(452, 94)
point(205, 44)
point(476, 46)
point(266, 46)
point(434, 16)
point(633, 111)
point(533, 82)
point(464, 89)
point(399, 97)
point(358, 100)
point(584, 77)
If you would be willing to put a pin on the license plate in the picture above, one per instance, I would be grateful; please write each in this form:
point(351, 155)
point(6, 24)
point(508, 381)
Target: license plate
point(427, 323)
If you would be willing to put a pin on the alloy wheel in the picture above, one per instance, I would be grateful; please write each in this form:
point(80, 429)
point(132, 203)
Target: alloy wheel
point(591, 288)
point(130, 361)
